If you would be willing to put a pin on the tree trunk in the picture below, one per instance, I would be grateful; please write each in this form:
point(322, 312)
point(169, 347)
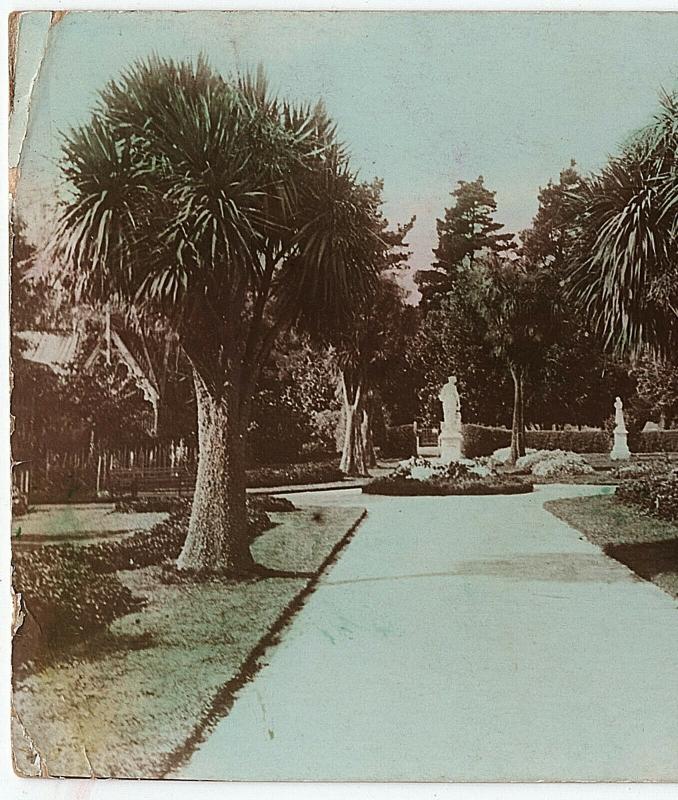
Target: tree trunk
point(218, 537)
point(366, 433)
point(518, 425)
point(353, 461)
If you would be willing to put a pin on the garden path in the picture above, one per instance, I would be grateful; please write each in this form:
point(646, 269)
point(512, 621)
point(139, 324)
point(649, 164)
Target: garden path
point(466, 639)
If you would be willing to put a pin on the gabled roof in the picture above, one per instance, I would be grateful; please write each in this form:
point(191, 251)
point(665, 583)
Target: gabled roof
point(55, 350)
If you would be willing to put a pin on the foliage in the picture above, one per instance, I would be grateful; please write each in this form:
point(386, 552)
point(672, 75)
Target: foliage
point(63, 598)
point(450, 341)
point(654, 442)
point(399, 441)
point(261, 502)
point(289, 475)
point(657, 387)
point(480, 440)
point(467, 229)
point(233, 216)
point(554, 464)
point(584, 441)
point(483, 440)
point(625, 258)
point(398, 485)
point(656, 493)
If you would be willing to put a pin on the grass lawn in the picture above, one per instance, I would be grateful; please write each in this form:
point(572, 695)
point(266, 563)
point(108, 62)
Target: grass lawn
point(646, 545)
point(134, 700)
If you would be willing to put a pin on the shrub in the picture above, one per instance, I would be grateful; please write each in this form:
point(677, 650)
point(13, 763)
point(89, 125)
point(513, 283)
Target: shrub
point(557, 463)
point(481, 440)
point(587, 441)
point(654, 442)
point(312, 472)
point(399, 441)
point(399, 485)
point(657, 494)
point(19, 502)
point(72, 590)
point(64, 599)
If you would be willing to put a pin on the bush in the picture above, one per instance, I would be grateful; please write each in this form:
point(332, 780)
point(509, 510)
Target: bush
point(399, 441)
point(312, 472)
point(587, 441)
point(481, 440)
point(654, 442)
point(557, 463)
point(64, 599)
point(656, 494)
point(72, 590)
point(399, 485)
point(259, 502)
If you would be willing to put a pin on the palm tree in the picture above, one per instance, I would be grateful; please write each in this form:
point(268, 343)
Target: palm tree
point(233, 215)
point(626, 265)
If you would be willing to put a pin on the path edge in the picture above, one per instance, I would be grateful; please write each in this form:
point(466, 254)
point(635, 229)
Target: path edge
point(223, 702)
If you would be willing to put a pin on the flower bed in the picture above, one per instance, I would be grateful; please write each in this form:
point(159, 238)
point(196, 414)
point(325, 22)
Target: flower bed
point(69, 589)
point(419, 476)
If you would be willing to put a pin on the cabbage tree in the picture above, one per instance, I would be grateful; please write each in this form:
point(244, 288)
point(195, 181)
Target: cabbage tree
point(625, 257)
point(233, 215)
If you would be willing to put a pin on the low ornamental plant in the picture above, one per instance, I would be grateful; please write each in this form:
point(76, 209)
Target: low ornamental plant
point(420, 476)
point(656, 494)
point(70, 591)
point(554, 464)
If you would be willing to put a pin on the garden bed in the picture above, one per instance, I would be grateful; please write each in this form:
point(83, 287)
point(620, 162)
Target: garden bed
point(648, 546)
point(137, 696)
point(421, 477)
point(410, 487)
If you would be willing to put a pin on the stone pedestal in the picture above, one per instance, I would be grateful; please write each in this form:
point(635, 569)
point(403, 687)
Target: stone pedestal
point(451, 443)
point(620, 450)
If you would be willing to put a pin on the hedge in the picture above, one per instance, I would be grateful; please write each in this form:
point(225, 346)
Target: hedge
point(654, 442)
point(399, 441)
point(310, 472)
point(571, 441)
point(482, 440)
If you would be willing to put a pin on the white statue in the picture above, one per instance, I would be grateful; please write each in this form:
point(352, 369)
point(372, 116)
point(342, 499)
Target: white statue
point(619, 424)
point(620, 449)
point(449, 397)
point(450, 431)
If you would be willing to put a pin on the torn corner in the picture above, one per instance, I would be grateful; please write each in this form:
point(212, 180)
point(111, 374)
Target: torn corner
point(27, 761)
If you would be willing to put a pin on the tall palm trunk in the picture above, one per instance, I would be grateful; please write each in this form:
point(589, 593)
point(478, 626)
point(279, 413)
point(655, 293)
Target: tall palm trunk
point(518, 424)
point(353, 456)
point(217, 531)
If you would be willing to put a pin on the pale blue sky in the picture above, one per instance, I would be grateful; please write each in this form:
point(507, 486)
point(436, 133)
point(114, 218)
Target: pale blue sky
point(422, 99)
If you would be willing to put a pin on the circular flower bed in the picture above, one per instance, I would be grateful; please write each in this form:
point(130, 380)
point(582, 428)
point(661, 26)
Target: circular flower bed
point(419, 476)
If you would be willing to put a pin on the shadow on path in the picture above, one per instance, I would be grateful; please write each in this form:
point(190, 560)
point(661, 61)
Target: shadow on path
point(562, 567)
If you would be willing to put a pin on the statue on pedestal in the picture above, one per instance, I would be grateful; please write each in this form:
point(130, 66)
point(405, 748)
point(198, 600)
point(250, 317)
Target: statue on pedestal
point(451, 441)
point(620, 449)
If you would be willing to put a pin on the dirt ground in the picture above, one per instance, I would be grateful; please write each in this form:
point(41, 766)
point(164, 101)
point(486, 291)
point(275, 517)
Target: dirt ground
point(125, 703)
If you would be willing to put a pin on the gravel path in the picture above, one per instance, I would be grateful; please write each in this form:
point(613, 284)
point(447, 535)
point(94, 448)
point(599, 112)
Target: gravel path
point(466, 639)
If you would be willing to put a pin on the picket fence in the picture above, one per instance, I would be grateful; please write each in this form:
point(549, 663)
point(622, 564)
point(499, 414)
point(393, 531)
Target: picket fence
point(38, 473)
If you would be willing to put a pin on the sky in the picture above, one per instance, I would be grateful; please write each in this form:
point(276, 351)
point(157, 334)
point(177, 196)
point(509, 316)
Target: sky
point(422, 100)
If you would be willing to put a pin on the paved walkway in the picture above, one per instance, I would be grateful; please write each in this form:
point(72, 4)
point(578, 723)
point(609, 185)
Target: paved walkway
point(462, 639)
